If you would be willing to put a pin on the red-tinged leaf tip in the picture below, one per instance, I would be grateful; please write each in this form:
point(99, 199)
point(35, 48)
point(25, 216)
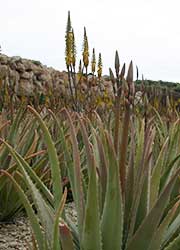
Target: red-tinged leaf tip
point(123, 71)
point(130, 73)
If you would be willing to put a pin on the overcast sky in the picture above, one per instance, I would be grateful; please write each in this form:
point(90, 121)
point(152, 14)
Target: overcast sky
point(145, 31)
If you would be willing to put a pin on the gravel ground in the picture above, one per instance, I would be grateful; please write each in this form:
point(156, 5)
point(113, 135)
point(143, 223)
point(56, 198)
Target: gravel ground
point(16, 235)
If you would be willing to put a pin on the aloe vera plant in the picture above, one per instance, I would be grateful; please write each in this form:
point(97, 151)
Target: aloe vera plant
point(16, 133)
point(107, 219)
point(123, 168)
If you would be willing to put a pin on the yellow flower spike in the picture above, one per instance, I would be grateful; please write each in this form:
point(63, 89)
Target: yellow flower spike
point(99, 71)
point(73, 49)
point(85, 50)
point(69, 40)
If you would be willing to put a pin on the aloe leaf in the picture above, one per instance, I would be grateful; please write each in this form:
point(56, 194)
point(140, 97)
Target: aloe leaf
point(139, 148)
point(156, 176)
point(44, 212)
point(112, 218)
point(146, 231)
point(67, 156)
point(172, 229)
point(103, 165)
point(33, 218)
point(129, 183)
point(4, 162)
point(91, 237)
point(142, 174)
point(53, 158)
point(163, 128)
point(167, 175)
point(158, 236)
point(31, 173)
point(56, 243)
point(6, 123)
point(66, 237)
point(143, 207)
point(174, 245)
point(79, 196)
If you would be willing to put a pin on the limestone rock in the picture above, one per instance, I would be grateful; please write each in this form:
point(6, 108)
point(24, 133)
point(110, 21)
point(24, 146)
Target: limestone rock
point(27, 75)
point(20, 67)
point(4, 70)
point(3, 59)
point(25, 88)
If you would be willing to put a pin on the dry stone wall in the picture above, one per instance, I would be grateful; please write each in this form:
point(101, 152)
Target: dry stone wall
point(27, 75)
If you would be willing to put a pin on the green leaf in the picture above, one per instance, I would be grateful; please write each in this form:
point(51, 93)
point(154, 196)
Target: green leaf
point(158, 236)
point(145, 233)
point(53, 158)
point(33, 218)
point(44, 212)
point(56, 243)
point(91, 237)
point(156, 176)
point(174, 245)
point(79, 196)
point(172, 229)
point(4, 161)
point(112, 218)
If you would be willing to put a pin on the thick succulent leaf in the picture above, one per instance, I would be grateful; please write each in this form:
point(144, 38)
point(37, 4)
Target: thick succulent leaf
point(112, 218)
point(53, 158)
point(47, 194)
point(91, 237)
point(33, 218)
point(174, 245)
point(4, 162)
point(103, 165)
point(156, 176)
point(141, 176)
point(33, 145)
point(117, 64)
point(79, 196)
point(44, 213)
point(172, 229)
point(56, 243)
point(4, 124)
point(67, 155)
point(129, 185)
point(143, 207)
point(147, 229)
point(66, 237)
point(158, 236)
point(139, 147)
point(130, 73)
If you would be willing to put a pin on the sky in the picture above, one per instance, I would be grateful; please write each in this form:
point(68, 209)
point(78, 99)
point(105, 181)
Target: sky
point(145, 31)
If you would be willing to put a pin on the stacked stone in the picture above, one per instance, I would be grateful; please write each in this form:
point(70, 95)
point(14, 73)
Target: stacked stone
point(28, 77)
